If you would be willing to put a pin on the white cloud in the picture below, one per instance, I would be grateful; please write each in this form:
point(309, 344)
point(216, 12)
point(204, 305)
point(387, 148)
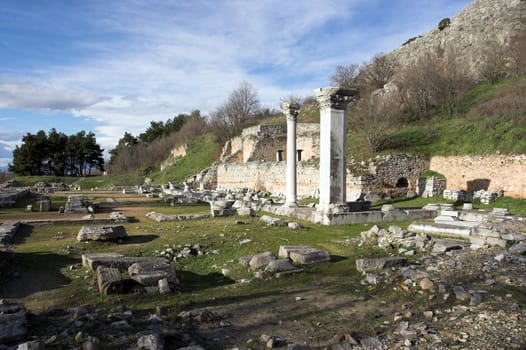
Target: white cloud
point(28, 95)
point(172, 57)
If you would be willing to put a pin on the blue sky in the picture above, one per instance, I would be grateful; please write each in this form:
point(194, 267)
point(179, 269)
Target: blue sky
point(112, 66)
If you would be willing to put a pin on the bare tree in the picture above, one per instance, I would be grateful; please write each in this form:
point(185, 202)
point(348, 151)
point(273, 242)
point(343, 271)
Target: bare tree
point(434, 80)
point(494, 61)
point(374, 115)
point(378, 72)
point(242, 105)
point(417, 85)
point(345, 76)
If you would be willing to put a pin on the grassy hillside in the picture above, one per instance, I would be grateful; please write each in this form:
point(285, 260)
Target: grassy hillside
point(201, 154)
point(490, 118)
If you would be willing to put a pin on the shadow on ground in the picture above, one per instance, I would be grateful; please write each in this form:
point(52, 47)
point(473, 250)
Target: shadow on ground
point(36, 272)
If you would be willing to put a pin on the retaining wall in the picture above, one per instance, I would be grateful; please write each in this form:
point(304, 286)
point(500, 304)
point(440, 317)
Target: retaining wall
point(492, 172)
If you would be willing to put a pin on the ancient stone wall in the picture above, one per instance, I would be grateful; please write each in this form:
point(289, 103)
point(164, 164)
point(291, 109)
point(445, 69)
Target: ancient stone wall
point(399, 170)
point(492, 172)
point(261, 143)
point(271, 176)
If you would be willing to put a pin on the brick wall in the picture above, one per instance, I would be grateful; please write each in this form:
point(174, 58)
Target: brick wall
point(492, 172)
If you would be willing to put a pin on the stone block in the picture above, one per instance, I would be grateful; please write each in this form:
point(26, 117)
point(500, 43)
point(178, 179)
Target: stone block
point(88, 259)
point(445, 245)
point(272, 221)
point(110, 281)
point(304, 255)
point(374, 264)
point(279, 265)
point(260, 260)
point(149, 272)
point(493, 241)
point(486, 232)
point(118, 261)
point(101, 233)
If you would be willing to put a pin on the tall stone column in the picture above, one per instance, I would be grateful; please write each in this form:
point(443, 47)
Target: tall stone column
point(333, 146)
point(291, 110)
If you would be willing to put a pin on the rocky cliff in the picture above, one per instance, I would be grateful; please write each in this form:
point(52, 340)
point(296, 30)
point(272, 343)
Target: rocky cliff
point(483, 25)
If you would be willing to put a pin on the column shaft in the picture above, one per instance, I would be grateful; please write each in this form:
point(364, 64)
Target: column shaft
point(333, 146)
point(291, 111)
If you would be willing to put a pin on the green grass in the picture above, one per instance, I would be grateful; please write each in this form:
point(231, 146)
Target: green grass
point(200, 155)
point(203, 283)
point(466, 133)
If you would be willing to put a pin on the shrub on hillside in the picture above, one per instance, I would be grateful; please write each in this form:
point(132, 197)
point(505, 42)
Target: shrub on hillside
point(444, 23)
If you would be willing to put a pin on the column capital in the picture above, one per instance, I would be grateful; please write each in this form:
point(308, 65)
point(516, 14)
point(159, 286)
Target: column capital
point(334, 97)
point(291, 110)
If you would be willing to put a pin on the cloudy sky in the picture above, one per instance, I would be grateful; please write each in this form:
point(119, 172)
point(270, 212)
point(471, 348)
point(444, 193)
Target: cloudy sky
point(112, 66)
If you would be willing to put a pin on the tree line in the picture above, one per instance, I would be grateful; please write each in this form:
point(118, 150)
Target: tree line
point(56, 153)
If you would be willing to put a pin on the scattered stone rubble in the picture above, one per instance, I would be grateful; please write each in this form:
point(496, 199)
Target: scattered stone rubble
point(172, 252)
point(165, 217)
point(485, 196)
point(451, 269)
point(93, 328)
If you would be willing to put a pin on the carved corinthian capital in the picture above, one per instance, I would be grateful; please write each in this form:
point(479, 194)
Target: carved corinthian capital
point(335, 98)
point(291, 110)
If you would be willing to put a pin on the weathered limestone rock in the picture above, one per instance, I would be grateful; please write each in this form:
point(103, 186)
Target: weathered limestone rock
point(446, 245)
point(149, 272)
point(164, 286)
point(150, 341)
point(260, 260)
point(461, 294)
point(101, 233)
point(272, 221)
point(115, 260)
point(90, 260)
point(279, 265)
point(12, 322)
point(304, 255)
point(110, 281)
point(366, 265)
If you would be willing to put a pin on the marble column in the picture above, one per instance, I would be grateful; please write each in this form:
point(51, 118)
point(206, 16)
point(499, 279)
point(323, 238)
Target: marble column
point(333, 147)
point(291, 111)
